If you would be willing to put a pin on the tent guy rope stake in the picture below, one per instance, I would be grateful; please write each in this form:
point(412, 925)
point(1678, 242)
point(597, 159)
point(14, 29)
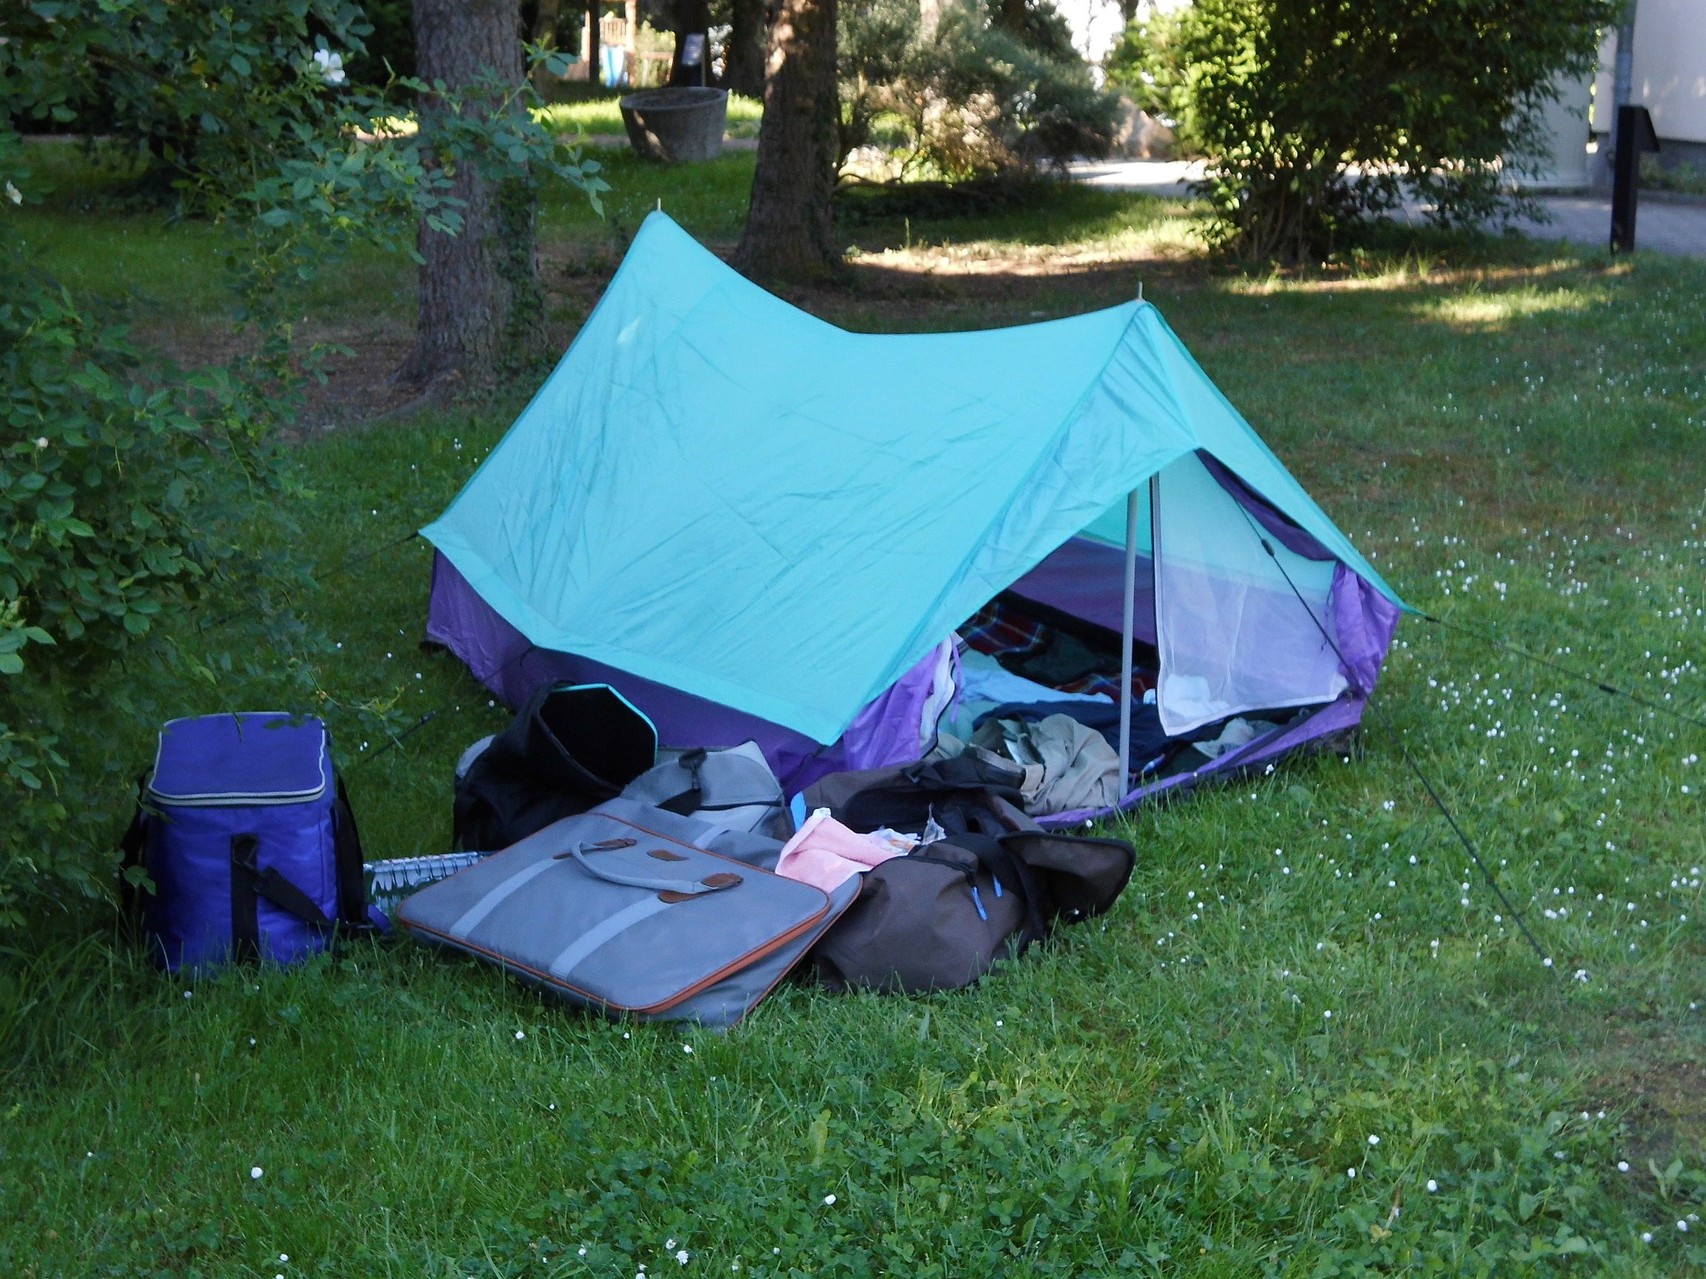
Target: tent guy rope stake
point(1397, 739)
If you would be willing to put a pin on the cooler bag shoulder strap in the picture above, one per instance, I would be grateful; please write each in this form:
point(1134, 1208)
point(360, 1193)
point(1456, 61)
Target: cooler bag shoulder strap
point(133, 860)
point(251, 885)
point(349, 864)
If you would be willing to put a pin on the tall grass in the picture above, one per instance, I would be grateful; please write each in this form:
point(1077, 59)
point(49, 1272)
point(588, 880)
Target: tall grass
point(1308, 1040)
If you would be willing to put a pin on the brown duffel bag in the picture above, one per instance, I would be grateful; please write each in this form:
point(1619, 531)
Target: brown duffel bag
point(940, 917)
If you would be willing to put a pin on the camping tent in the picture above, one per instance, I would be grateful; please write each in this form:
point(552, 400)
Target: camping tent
point(758, 525)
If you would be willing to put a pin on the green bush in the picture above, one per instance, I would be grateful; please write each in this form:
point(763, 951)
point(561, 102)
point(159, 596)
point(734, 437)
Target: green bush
point(968, 99)
point(1146, 65)
point(141, 502)
point(1317, 117)
point(192, 91)
point(130, 497)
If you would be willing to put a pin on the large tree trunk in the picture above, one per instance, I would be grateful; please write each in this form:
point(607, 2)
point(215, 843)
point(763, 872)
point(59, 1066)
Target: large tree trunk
point(481, 307)
point(743, 60)
point(790, 229)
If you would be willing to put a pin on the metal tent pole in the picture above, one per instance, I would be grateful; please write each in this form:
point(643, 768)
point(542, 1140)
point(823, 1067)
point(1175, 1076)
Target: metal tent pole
point(1126, 658)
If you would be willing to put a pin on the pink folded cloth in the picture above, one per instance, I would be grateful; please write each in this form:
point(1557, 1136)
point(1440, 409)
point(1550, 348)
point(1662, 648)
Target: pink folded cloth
point(826, 854)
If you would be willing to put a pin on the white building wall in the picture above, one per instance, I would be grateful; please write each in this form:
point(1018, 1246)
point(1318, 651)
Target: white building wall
point(1670, 70)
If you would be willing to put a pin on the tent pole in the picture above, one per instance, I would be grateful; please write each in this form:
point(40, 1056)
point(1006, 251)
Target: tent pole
point(1125, 638)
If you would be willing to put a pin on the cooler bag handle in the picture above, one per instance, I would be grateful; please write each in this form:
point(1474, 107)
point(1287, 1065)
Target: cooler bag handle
point(634, 879)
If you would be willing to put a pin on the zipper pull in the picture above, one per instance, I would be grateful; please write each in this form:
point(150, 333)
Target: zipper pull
point(978, 902)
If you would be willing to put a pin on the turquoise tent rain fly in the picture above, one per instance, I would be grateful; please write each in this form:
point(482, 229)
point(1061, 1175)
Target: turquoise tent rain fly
point(764, 524)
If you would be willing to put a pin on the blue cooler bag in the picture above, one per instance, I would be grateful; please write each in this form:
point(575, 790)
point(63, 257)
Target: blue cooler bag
point(248, 838)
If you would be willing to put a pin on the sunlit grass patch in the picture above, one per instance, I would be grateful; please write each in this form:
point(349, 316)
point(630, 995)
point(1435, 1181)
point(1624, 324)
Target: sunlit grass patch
point(1482, 311)
point(601, 117)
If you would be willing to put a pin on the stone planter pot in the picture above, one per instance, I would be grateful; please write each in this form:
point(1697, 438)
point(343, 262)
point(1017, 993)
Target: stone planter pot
point(677, 124)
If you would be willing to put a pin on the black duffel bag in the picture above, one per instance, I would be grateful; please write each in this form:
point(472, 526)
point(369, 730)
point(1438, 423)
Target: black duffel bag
point(938, 918)
point(571, 747)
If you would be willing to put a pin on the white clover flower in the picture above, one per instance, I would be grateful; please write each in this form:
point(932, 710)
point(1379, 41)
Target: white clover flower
point(41, 441)
point(688, 1049)
point(521, 1034)
point(256, 1173)
point(13, 194)
point(829, 1202)
point(1622, 1165)
point(1373, 1139)
point(331, 66)
point(1351, 1173)
point(1432, 1185)
point(682, 1256)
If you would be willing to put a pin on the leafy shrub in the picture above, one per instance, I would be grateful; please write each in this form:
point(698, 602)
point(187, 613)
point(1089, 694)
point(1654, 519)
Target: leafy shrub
point(967, 98)
point(1319, 116)
point(133, 494)
point(177, 86)
point(1146, 64)
point(128, 496)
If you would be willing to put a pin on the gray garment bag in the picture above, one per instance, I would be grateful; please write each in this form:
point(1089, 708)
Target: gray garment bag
point(633, 911)
point(730, 789)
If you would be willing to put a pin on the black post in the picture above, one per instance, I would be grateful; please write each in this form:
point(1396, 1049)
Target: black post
point(1634, 135)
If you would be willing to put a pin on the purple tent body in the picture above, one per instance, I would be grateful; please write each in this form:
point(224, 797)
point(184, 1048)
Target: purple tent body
point(885, 732)
point(1082, 579)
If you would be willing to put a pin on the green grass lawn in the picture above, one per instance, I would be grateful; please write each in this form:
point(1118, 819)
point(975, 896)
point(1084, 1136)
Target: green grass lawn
point(599, 115)
point(1308, 1040)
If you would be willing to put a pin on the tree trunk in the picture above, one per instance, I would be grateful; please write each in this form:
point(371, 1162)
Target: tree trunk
point(743, 60)
point(481, 307)
point(790, 229)
point(692, 18)
point(1010, 17)
point(594, 51)
point(545, 36)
